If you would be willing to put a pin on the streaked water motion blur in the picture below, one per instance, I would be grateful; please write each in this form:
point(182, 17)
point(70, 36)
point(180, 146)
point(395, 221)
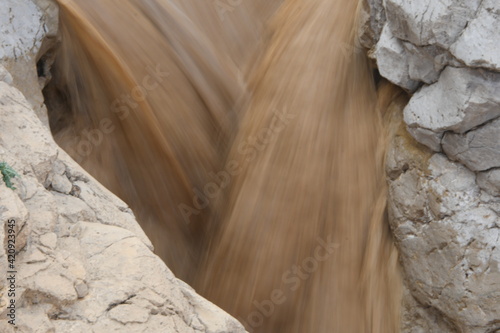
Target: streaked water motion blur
point(249, 140)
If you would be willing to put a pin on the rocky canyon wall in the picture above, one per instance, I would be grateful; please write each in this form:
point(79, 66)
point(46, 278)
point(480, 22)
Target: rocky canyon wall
point(444, 163)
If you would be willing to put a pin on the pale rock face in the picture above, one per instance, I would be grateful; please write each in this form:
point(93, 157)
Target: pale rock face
point(430, 22)
point(83, 262)
point(479, 149)
point(21, 36)
point(478, 44)
point(462, 99)
point(29, 30)
point(490, 181)
point(425, 63)
point(5, 75)
point(444, 202)
point(448, 237)
point(392, 53)
point(86, 263)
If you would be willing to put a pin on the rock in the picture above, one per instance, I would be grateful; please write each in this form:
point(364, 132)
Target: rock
point(425, 63)
point(444, 214)
point(109, 214)
point(430, 22)
point(20, 37)
point(478, 149)
point(36, 256)
point(13, 212)
point(61, 184)
point(371, 22)
point(73, 209)
point(448, 240)
point(82, 289)
point(418, 318)
point(427, 137)
point(34, 319)
point(477, 45)
point(5, 75)
point(57, 179)
point(460, 100)
point(43, 212)
point(24, 31)
point(85, 265)
point(490, 181)
point(392, 60)
point(60, 289)
point(129, 313)
point(49, 240)
point(16, 118)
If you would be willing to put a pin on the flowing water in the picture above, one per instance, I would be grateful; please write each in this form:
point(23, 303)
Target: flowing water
point(249, 140)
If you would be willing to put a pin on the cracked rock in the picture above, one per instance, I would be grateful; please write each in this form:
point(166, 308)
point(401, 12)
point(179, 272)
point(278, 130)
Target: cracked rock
point(430, 22)
point(478, 149)
point(392, 60)
point(73, 209)
point(49, 240)
point(444, 213)
point(25, 29)
point(448, 240)
point(425, 63)
point(477, 46)
point(490, 181)
point(129, 313)
point(461, 100)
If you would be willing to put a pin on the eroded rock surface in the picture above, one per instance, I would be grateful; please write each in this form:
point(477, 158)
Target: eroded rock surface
point(29, 31)
point(83, 262)
point(444, 189)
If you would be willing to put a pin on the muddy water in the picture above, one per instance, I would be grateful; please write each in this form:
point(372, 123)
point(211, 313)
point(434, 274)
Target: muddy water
point(250, 142)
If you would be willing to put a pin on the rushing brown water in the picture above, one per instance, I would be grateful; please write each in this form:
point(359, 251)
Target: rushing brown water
point(249, 140)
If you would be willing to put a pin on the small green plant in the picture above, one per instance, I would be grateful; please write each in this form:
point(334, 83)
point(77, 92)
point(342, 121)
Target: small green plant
point(8, 173)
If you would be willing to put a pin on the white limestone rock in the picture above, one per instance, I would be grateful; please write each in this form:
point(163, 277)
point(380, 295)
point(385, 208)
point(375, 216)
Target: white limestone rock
point(478, 44)
point(462, 99)
point(448, 238)
point(26, 31)
point(425, 63)
point(22, 32)
point(430, 22)
point(490, 181)
point(392, 60)
point(478, 149)
point(444, 214)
